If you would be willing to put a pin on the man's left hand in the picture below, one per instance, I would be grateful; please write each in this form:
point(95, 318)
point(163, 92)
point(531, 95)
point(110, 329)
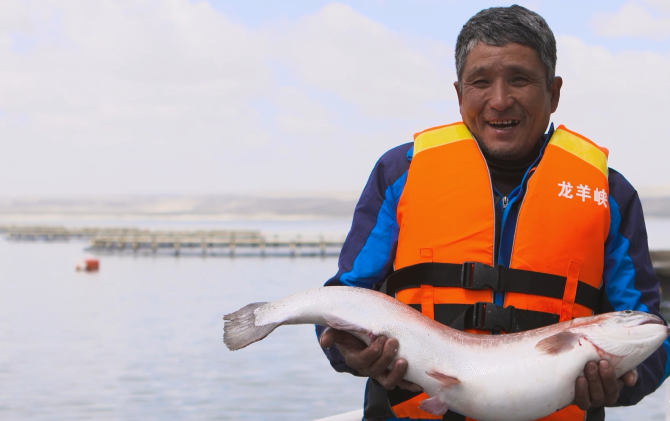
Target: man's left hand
point(599, 386)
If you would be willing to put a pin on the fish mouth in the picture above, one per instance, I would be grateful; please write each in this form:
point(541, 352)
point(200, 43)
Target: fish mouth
point(650, 320)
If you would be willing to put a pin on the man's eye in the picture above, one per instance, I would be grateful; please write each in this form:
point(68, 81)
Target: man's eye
point(480, 82)
point(520, 80)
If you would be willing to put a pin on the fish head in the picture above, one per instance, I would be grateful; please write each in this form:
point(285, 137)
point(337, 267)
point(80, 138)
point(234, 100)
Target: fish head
point(625, 338)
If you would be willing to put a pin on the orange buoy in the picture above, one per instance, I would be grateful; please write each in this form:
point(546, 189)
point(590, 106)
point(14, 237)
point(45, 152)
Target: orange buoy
point(88, 265)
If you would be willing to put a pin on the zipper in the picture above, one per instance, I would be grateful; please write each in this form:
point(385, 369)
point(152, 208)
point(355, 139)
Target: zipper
point(504, 205)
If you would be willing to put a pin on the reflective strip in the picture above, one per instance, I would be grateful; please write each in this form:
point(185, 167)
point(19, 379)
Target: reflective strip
point(580, 148)
point(439, 136)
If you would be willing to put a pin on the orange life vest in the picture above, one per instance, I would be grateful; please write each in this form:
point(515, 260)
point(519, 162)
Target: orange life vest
point(446, 215)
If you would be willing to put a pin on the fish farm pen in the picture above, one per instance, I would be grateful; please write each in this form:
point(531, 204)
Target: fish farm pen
point(129, 240)
point(201, 243)
point(55, 233)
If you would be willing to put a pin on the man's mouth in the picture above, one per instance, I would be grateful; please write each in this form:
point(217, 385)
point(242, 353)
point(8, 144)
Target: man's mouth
point(503, 124)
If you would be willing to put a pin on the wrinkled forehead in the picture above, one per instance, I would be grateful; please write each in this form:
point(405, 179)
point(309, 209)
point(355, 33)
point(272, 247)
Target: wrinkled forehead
point(513, 56)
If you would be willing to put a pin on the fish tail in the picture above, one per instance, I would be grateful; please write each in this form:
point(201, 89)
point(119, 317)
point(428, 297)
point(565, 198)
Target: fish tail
point(240, 328)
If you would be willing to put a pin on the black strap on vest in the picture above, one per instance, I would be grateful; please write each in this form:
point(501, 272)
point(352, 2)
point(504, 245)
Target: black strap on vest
point(489, 316)
point(477, 276)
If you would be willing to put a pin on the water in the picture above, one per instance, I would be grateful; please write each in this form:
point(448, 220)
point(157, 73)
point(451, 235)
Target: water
point(142, 339)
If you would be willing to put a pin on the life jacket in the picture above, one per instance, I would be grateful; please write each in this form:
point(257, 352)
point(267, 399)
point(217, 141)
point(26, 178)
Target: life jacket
point(444, 264)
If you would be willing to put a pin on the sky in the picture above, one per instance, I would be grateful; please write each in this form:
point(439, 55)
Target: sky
point(109, 97)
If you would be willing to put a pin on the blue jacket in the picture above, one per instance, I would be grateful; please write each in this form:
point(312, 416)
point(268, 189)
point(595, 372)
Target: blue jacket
point(629, 281)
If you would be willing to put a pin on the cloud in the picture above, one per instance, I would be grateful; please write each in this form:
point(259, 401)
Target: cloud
point(634, 20)
point(150, 91)
point(173, 96)
point(362, 62)
point(660, 5)
point(301, 115)
point(619, 100)
point(356, 89)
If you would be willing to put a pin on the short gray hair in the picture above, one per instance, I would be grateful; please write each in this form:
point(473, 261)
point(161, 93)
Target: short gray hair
point(499, 26)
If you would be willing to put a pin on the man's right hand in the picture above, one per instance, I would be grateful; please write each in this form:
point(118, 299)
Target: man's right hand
point(373, 360)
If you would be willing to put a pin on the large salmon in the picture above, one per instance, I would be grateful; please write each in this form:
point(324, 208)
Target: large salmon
point(517, 377)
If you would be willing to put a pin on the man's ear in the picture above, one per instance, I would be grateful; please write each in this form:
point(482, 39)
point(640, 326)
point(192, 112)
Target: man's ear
point(457, 85)
point(555, 90)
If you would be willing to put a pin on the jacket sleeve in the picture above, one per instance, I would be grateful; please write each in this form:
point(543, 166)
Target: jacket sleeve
point(629, 281)
point(368, 252)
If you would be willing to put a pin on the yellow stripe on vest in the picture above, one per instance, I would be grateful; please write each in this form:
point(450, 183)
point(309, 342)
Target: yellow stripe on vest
point(440, 136)
point(580, 148)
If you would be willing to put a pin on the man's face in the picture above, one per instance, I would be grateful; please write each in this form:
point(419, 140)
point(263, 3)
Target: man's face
point(504, 99)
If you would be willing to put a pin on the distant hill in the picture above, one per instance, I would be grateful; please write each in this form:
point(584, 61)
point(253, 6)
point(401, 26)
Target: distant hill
point(211, 207)
point(180, 207)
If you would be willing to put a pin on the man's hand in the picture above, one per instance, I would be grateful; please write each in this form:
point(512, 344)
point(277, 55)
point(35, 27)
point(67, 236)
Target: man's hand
point(599, 386)
point(372, 361)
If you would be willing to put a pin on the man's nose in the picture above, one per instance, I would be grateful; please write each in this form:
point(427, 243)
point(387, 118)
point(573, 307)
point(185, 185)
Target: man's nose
point(501, 97)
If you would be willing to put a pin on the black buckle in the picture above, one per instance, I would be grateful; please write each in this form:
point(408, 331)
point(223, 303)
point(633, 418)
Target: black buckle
point(489, 316)
point(475, 275)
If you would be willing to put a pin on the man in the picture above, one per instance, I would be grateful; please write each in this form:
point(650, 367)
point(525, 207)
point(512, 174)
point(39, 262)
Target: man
point(490, 216)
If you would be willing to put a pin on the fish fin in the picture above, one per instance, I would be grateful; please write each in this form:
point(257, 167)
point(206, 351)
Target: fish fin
point(341, 324)
point(434, 406)
point(445, 381)
point(240, 328)
point(558, 343)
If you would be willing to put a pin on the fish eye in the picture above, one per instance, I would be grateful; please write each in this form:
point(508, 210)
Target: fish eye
point(627, 312)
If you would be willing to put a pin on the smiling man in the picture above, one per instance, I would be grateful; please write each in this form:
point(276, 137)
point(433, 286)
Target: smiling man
point(498, 224)
point(506, 97)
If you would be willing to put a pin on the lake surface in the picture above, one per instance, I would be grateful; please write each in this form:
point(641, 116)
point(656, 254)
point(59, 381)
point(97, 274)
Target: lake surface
point(142, 339)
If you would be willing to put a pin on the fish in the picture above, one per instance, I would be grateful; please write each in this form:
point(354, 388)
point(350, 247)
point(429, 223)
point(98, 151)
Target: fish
point(513, 377)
